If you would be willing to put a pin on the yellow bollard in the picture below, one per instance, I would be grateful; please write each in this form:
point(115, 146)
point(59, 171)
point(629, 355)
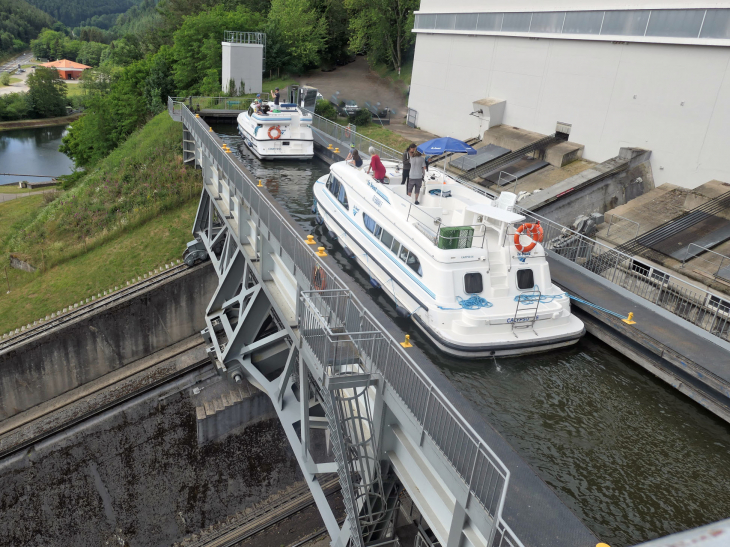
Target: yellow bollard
point(602, 545)
point(320, 251)
point(630, 319)
point(260, 185)
point(197, 115)
point(337, 150)
point(310, 240)
point(210, 129)
point(329, 146)
point(407, 343)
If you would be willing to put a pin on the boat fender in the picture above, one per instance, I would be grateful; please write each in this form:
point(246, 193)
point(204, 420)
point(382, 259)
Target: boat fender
point(534, 231)
point(332, 235)
point(348, 252)
point(401, 311)
point(314, 207)
point(274, 129)
point(318, 219)
point(374, 282)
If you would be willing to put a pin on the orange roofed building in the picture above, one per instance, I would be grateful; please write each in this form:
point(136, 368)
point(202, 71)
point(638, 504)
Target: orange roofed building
point(67, 69)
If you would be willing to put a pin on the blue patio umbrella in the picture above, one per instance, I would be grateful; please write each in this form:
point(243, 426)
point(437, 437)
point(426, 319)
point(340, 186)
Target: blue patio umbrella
point(441, 145)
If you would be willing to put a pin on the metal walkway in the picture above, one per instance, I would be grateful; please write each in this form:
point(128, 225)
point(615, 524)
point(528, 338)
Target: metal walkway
point(283, 319)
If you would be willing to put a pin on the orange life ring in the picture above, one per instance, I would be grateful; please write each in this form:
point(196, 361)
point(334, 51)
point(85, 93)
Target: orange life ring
point(278, 132)
point(319, 278)
point(534, 231)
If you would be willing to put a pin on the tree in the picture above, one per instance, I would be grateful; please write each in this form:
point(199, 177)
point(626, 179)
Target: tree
point(47, 93)
point(338, 31)
point(197, 47)
point(302, 32)
point(159, 84)
point(5, 78)
point(382, 28)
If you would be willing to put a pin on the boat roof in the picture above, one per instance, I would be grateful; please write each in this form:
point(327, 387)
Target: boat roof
point(490, 211)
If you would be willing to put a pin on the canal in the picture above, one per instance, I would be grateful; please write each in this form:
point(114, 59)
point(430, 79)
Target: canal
point(33, 151)
point(632, 457)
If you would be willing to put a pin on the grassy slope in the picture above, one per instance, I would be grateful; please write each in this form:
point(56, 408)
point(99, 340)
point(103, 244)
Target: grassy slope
point(13, 189)
point(132, 254)
point(135, 209)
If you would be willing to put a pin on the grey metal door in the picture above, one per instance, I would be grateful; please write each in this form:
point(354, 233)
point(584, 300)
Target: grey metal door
point(412, 118)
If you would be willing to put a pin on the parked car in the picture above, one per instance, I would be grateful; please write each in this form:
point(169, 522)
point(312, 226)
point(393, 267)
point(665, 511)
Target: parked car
point(349, 106)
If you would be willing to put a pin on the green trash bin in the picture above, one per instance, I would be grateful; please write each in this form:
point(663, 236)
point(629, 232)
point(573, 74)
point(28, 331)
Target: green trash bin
point(455, 237)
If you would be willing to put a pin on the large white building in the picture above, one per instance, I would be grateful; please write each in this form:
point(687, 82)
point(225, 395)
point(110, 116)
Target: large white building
point(653, 75)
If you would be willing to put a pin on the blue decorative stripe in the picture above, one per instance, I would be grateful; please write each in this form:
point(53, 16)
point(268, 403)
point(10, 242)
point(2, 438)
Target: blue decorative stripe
point(402, 267)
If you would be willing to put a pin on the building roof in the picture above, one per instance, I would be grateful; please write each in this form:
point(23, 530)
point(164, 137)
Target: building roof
point(65, 64)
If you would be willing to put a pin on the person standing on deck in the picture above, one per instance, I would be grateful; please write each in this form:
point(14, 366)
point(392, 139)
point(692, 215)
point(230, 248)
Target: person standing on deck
point(275, 95)
point(407, 162)
point(376, 165)
point(415, 177)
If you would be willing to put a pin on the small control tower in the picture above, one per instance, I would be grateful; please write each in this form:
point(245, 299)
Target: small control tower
point(244, 60)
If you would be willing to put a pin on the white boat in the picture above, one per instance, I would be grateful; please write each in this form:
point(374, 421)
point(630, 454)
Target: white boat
point(284, 133)
point(451, 263)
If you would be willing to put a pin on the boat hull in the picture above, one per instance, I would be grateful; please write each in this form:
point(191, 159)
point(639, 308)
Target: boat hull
point(281, 153)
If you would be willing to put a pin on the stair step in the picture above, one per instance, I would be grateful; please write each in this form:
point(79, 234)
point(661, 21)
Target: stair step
point(209, 408)
point(218, 404)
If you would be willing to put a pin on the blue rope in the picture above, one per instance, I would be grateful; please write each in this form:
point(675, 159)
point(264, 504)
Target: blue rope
point(595, 306)
point(474, 302)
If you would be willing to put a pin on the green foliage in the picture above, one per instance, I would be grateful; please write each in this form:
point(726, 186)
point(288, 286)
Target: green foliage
point(298, 35)
point(92, 34)
point(5, 78)
point(326, 109)
point(338, 32)
point(73, 12)
point(110, 116)
point(361, 117)
point(69, 181)
point(90, 53)
point(20, 22)
point(46, 93)
point(197, 50)
point(14, 106)
point(159, 84)
point(382, 28)
point(53, 45)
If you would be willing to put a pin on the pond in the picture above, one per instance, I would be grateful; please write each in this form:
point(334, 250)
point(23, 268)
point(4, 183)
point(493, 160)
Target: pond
point(33, 151)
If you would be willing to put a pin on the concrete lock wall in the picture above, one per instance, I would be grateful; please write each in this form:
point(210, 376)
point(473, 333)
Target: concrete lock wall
point(243, 63)
point(671, 99)
point(85, 349)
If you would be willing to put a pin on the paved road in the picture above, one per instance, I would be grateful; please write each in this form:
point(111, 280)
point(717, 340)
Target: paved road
point(10, 197)
point(12, 65)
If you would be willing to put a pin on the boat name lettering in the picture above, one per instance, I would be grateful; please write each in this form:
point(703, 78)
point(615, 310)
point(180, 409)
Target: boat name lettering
point(522, 319)
point(355, 211)
point(377, 201)
point(377, 191)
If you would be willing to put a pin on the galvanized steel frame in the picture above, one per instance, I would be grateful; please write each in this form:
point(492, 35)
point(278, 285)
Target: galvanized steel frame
point(478, 469)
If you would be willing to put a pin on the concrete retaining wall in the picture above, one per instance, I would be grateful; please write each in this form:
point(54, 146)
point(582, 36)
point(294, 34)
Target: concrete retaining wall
point(89, 347)
point(579, 195)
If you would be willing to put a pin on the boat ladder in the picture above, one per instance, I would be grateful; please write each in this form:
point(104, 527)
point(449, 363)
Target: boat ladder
point(526, 302)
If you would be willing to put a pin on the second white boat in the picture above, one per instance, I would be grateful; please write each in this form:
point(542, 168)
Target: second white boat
point(283, 133)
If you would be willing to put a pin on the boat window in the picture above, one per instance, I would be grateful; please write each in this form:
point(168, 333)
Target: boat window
point(371, 225)
point(403, 253)
point(395, 247)
point(473, 283)
point(525, 279)
point(342, 196)
point(386, 238)
point(414, 263)
point(333, 185)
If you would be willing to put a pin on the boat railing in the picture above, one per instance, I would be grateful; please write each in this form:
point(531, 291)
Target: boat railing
point(463, 236)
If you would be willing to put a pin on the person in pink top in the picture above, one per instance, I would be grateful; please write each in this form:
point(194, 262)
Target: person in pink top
point(376, 165)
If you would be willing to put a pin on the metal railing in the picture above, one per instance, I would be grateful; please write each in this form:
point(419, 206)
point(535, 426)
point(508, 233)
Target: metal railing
point(217, 103)
point(239, 37)
point(482, 472)
point(700, 307)
point(348, 135)
point(719, 267)
point(613, 222)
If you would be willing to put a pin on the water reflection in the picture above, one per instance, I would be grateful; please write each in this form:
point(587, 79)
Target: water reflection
point(33, 151)
point(627, 453)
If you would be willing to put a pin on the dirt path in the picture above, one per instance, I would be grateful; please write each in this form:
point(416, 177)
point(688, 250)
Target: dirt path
point(357, 82)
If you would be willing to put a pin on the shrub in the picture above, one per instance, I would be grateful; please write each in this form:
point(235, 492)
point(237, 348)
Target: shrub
point(5, 78)
point(326, 109)
point(360, 118)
